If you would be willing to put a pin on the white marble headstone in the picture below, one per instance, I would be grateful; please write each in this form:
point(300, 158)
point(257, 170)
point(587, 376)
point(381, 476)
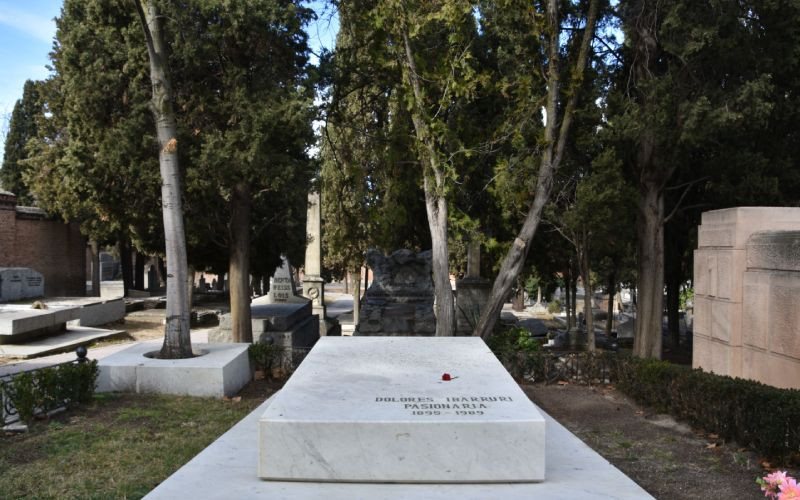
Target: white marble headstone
point(17, 283)
point(376, 409)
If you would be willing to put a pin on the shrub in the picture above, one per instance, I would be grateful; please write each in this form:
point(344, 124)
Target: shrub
point(42, 391)
point(519, 352)
point(759, 416)
point(266, 357)
point(554, 306)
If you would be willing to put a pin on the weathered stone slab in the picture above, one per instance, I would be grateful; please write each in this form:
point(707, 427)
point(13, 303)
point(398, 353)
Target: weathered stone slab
point(66, 341)
point(17, 325)
point(287, 324)
point(19, 283)
point(279, 316)
point(776, 250)
point(376, 409)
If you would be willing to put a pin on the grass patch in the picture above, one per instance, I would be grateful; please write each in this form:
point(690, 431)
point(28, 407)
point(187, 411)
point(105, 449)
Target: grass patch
point(120, 446)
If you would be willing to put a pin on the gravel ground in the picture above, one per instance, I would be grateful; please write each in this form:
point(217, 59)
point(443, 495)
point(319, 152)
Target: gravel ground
point(667, 458)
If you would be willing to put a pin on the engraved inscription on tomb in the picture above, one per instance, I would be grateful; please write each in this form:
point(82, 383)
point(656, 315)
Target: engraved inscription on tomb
point(448, 405)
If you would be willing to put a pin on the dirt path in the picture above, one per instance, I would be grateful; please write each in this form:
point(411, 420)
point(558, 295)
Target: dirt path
point(667, 458)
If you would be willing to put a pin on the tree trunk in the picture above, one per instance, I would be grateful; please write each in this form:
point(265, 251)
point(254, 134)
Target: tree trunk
point(161, 272)
point(518, 303)
point(125, 258)
point(239, 271)
point(673, 278)
point(355, 276)
point(650, 271)
point(435, 202)
point(551, 159)
point(138, 271)
point(612, 289)
point(587, 294)
point(190, 291)
point(95, 251)
point(177, 341)
point(574, 291)
point(568, 298)
point(445, 307)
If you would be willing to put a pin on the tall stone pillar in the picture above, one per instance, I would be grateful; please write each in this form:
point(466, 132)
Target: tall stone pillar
point(313, 284)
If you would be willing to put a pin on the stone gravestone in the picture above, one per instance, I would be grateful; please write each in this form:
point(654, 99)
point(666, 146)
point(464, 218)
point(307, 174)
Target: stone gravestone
point(400, 299)
point(403, 410)
point(472, 293)
point(18, 283)
point(281, 285)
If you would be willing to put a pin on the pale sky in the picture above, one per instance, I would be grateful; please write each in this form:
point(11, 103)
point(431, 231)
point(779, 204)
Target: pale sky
point(26, 38)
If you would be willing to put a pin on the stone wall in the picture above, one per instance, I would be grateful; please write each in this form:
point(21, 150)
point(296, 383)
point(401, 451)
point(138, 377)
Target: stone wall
point(747, 294)
point(28, 238)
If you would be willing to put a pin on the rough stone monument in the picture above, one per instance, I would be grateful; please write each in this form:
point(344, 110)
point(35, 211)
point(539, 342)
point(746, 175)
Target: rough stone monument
point(400, 299)
point(472, 292)
point(18, 283)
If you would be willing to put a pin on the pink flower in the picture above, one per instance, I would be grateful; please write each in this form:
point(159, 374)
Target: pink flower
point(776, 478)
point(789, 490)
point(771, 482)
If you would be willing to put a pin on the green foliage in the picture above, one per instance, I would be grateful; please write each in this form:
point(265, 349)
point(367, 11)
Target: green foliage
point(94, 160)
point(753, 414)
point(554, 306)
point(244, 103)
point(686, 296)
point(41, 391)
point(266, 357)
point(519, 352)
point(21, 129)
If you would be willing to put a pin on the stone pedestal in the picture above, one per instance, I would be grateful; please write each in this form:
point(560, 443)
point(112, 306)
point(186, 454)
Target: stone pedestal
point(378, 409)
point(314, 289)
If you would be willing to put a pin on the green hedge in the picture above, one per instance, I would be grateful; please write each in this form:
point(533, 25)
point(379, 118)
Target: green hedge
point(755, 415)
point(41, 391)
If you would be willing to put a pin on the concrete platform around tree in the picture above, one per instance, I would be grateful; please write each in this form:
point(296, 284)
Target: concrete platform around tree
point(222, 370)
point(66, 341)
point(227, 469)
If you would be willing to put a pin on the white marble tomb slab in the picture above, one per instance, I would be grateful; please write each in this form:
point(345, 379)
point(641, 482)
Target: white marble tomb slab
point(375, 409)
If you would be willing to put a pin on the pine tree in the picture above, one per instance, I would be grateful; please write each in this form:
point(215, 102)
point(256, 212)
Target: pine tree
point(21, 129)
